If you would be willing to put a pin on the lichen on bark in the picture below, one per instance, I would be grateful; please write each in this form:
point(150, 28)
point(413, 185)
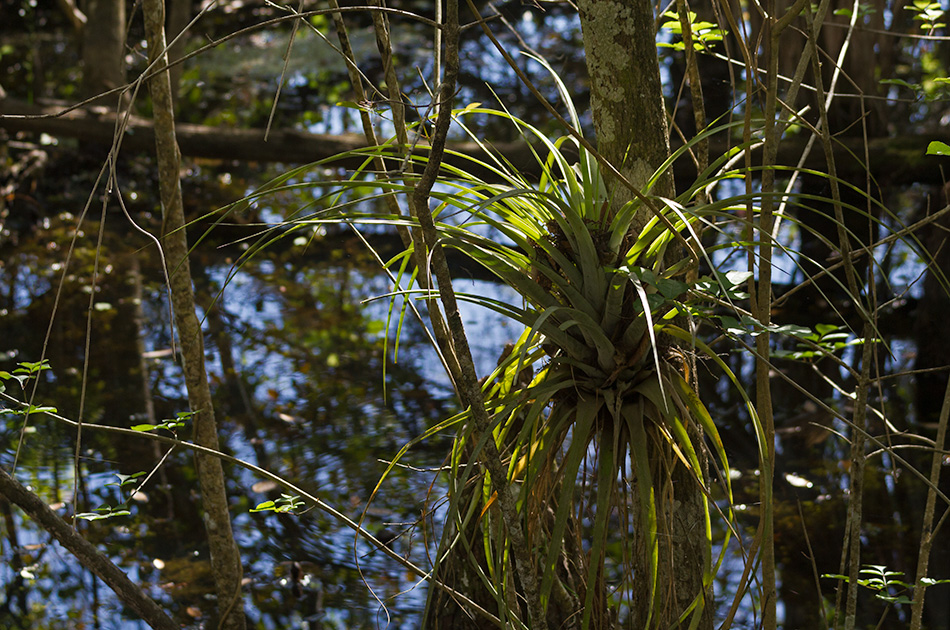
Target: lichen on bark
point(630, 121)
point(626, 94)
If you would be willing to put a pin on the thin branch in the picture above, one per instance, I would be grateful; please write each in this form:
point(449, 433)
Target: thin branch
point(927, 531)
point(468, 385)
point(127, 591)
point(409, 237)
point(225, 555)
point(315, 501)
point(283, 71)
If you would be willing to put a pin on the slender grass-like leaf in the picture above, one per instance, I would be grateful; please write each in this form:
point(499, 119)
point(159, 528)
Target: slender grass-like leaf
point(634, 416)
point(585, 416)
point(606, 477)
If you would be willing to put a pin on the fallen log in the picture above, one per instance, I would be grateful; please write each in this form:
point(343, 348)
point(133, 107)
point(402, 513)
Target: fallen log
point(892, 161)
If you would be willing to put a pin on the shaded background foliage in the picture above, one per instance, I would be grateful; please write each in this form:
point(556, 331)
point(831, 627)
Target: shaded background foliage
point(297, 359)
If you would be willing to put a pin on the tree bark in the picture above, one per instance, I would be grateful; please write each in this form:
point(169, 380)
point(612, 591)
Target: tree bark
point(179, 15)
point(103, 46)
point(225, 558)
point(626, 93)
point(632, 133)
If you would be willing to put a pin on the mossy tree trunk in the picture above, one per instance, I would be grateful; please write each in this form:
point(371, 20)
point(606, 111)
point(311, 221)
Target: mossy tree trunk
point(626, 93)
point(631, 125)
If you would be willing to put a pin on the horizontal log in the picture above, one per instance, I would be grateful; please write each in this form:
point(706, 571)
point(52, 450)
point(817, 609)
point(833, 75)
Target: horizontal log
point(893, 161)
point(98, 125)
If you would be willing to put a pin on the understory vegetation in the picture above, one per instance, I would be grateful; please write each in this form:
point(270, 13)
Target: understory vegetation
point(611, 315)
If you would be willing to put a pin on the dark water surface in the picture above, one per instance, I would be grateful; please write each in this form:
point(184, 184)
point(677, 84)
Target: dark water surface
point(306, 387)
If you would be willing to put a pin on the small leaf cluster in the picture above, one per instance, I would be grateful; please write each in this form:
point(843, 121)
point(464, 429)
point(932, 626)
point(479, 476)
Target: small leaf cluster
point(826, 339)
point(726, 285)
point(930, 89)
point(169, 424)
point(864, 10)
point(286, 504)
point(24, 372)
point(884, 583)
point(27, 410)
point(929, 13)
point(107, 511)
point(704, 34)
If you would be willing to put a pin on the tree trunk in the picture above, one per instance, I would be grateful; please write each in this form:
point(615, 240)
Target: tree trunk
point(103, 47)
point(630, 122)
point(626, 94)
point(225, 558)
point(179, 15)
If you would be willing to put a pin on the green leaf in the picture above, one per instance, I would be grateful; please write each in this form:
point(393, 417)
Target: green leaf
point(931, 582)
point(835, 576)
point(20, 378)
point(938, 148)
point(671, 289)
point(731, 326)
point(103, 512)
point(900, 599)
point(127, 480)
point(737, 278)
point(916, 87)
point(91, 516)
point(792, 330)
point(584, 418)
point(29, 409)
point(32, 367)
point(286, 504)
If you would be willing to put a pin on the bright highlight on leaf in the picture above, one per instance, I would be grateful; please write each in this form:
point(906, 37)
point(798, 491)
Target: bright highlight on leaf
point(938, 148)
point(169, 424)
point(929, 13)
point(286, 504)
point(704, 34)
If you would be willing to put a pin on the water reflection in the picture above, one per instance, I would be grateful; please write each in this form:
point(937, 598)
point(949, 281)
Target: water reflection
point(298, 370)
point(297, 361)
